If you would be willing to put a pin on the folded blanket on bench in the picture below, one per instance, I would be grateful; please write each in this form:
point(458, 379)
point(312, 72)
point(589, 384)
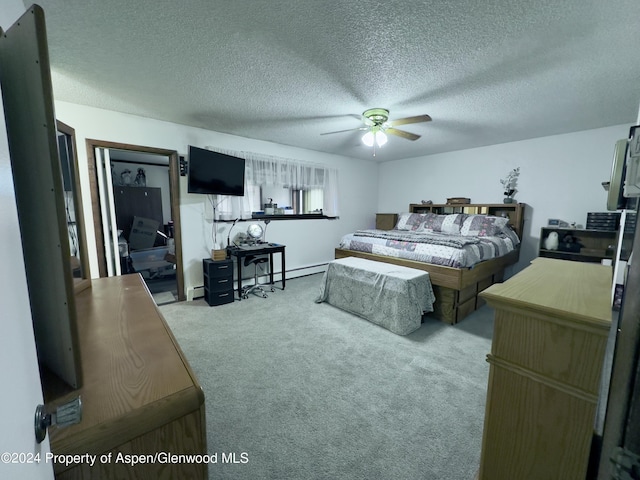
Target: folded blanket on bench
point(391, 296)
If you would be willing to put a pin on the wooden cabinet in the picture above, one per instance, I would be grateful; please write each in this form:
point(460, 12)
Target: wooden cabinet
point(386, 221)
point(139, 393)
point(550, 333)
point(107, 344)
point(589, 245)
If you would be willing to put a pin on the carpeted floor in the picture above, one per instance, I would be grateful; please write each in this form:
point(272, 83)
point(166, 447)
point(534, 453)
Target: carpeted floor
point(307, 391)
point(163, 298)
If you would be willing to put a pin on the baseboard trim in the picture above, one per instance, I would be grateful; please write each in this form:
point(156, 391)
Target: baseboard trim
point(308, 270)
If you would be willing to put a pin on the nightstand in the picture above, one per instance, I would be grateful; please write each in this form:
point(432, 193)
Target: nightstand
point(386, 221)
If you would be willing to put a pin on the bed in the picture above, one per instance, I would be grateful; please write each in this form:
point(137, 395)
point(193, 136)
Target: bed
point(486, 237)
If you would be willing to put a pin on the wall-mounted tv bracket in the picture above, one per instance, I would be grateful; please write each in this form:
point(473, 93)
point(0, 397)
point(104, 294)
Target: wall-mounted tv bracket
point(183, 166)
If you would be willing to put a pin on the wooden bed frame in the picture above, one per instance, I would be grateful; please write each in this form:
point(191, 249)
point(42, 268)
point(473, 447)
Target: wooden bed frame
point(456, 289)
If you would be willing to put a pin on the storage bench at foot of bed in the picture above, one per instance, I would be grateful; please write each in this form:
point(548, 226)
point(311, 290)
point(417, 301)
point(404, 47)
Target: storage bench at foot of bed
point(456, 285)
point(390, 296)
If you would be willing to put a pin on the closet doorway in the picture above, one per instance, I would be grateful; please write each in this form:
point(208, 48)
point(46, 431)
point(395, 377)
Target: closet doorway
point(136, 212)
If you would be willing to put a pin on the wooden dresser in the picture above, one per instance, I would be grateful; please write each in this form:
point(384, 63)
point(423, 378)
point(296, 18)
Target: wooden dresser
point(139, 394)
point(550, 333)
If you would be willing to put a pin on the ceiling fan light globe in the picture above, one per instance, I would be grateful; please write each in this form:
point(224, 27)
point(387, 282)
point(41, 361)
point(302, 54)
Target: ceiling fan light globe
point(368, 139)
point(381, 138)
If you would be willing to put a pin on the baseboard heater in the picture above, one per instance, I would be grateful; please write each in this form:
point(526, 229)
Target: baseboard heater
point(198, 291)
point(195, 292)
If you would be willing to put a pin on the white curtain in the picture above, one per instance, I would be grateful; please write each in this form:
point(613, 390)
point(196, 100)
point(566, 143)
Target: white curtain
point(330, 188)
point(266, 170)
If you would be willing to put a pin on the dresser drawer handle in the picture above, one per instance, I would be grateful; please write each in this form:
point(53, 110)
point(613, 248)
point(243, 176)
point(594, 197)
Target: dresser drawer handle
point(223, 281)
point(220, 267)
point(223, 295)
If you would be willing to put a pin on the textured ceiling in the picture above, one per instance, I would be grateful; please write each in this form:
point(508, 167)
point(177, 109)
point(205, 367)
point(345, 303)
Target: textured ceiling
point(285, 71)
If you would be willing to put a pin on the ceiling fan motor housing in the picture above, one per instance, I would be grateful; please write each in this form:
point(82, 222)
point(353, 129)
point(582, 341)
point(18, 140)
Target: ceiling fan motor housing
point(377, 115)
point(376, 123)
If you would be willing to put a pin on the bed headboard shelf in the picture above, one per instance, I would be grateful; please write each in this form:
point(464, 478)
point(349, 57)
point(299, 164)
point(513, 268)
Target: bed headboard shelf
point(514, 211)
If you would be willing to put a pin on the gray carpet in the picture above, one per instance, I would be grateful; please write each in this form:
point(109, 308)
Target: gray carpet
point(162, 298)
point(308, 391)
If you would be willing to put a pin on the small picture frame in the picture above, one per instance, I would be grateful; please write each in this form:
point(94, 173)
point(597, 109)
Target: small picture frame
point(556, 222)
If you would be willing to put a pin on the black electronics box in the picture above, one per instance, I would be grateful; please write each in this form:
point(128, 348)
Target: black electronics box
point(630, 222)
point(606, 221)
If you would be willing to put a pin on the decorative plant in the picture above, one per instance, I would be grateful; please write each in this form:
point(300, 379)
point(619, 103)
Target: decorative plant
point(510, 182)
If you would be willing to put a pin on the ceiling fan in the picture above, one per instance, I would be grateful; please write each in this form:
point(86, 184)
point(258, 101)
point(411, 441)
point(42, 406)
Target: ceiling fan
point(377, 126)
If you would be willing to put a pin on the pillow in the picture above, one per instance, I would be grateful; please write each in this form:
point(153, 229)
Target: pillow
point(443, 223)
point(411, 221)
point(509, 233)
point(483, 226)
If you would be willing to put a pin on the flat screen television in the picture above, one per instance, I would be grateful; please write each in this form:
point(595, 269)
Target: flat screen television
point(214, 173)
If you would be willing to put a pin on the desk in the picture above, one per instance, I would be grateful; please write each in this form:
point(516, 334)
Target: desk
point(266, 248)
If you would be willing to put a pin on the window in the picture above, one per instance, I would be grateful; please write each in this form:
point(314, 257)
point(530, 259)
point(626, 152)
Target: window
point(293, 201)
point(296, 187)
point(308, 201)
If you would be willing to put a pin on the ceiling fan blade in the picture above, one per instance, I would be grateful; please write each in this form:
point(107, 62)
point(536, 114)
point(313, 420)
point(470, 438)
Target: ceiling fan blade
point(405, 121)
point(402, 133)
point(348, 130)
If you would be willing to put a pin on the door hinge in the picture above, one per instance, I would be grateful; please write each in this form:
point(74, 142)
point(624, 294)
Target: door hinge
point(626, 465)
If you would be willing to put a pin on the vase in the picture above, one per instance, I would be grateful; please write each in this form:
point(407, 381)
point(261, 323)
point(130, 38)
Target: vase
point(508, 200)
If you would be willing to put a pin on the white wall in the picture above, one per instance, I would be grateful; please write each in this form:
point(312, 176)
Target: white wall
point(560, 177)
point(309, 242)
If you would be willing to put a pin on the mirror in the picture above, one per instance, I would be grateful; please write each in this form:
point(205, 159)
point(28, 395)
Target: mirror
point(78, 261)
point(37, 181)
point(255, 231)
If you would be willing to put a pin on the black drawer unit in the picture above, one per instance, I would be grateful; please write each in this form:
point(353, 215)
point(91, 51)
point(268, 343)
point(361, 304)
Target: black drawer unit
point(218, 281)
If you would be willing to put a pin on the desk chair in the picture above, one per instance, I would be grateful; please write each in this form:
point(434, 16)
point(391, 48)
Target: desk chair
point(256, 287)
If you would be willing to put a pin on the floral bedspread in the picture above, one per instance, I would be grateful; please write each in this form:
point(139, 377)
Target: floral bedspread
point(436, 248)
